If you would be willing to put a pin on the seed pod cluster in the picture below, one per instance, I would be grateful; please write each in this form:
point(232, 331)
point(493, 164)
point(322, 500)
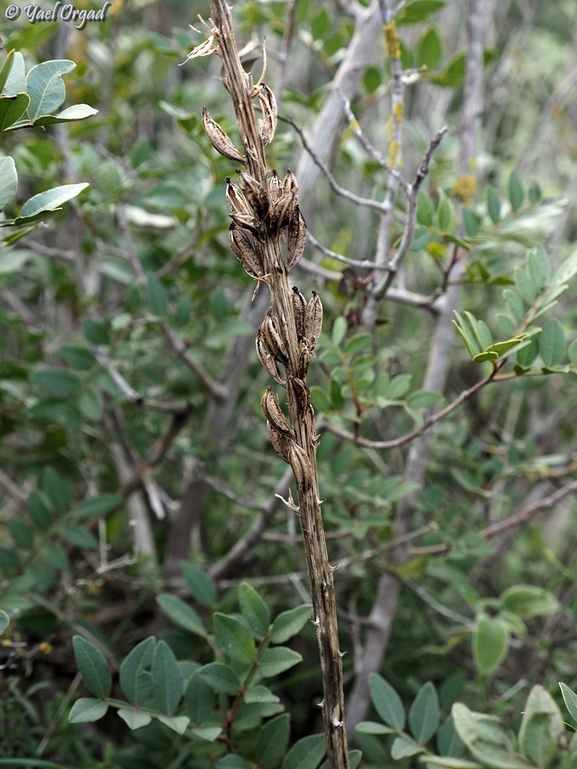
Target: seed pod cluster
point(219, 139)
point(270, 335)
point(267, 360)
point(255, 193)
point(301, 467)
point(240, 211)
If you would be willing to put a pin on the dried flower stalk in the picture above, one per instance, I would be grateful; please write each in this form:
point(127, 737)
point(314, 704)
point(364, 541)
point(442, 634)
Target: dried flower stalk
point(264, 210)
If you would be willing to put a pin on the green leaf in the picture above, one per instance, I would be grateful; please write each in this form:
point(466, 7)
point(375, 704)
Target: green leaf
point(93, 667)
point(373, 727)
point(167, 679)
point(272, 741)
point(464, 332)
point(339, 330)
point(490, 643)
point(6, 68)
point(49, 200)
point(11, 110)
point(96, 506)
point(418, 11)
point(77, 357)
point(221, 678)
point(39, 511)
point(134, 718)
point(540, 727)
point(277, 660)
point(95, 331)
point(288, 623)
point(79, 537)
point(306, 753)
point(399, 386)
point(22, 534)
point(514, 304)
point(45, 86)
point(567, 270)
point(233, 761)
point(486, 738)
point(448, 762)
point(429, 49)
point(233, 638)
point(75, 112)
point(13, 260)
point(446, 213)
point(403, 747)
point(254, 609)
point(424, 714)
point(358, 343)
point(56, 381)
point(570, 700)
point(387, 702)
point(260, 693)
point(553, 343)
point(57, 490)
point(90, 405)
point(470, 221)
point(526, 355)
point(16, 77)
point(178, 724)
point(201, 586)
point(4, 621)
point(493, 205)
point(156, 296)
point(529, 601)
point(86, 710)
point(525, 286)
point(480, 330)
point(135, 680)
point(8, 181)
point(372, 79)
point(181, 614)
point(539, 267)
point(516, 191)
point(199, 696)
point(448, 741)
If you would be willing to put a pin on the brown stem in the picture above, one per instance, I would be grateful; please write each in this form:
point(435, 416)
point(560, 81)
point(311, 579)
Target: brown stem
point(263, 207)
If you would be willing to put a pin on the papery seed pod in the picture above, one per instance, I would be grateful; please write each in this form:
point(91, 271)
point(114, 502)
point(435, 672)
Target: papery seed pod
point(275, 188)
point(296, 239)
point(267, 124)
point(249, 223)
point(236, 200)
point(282, 211)
point(219, 139)
point(245, 252)
point(273, 412)
point(272, 339)
point(301, 466)
point(314, 320)
point(267, 360)
point(305, 356)
point(255, 193)
point(302, 394)
point(299, 308)
point(278, 442)
point(290, 183)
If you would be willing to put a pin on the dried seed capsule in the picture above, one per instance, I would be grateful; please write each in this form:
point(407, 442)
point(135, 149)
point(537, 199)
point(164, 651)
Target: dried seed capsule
point(275, 188)
point(267, 124)
point(290, 183)
point(282, 211)
point(236, 200)
point(302, 394)
point(299, 309)
point(245, 252)
point(296, 239)
point(268, 362)
point(273, 412)
point(272, 339)
point(219, 139)
point(304, 358)
point(254, 193)
point(314, 320)
point(278, 442)
point(301, 466)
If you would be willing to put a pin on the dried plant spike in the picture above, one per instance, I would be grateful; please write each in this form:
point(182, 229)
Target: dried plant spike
point(267, 124)
point(245, 252)
point(278, 442)
point(299, 309)
point(314, 320)
point(273, 412)
point(255, 193)
point(219, 139)
point(296, 239)
point(267, 360)
point(301, 467)
point(275, 188)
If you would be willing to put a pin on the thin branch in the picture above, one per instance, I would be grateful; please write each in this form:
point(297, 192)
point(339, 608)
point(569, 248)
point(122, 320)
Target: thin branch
point(363, 264)
point(14, 490)
point(396, 443)
point(334, 185)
